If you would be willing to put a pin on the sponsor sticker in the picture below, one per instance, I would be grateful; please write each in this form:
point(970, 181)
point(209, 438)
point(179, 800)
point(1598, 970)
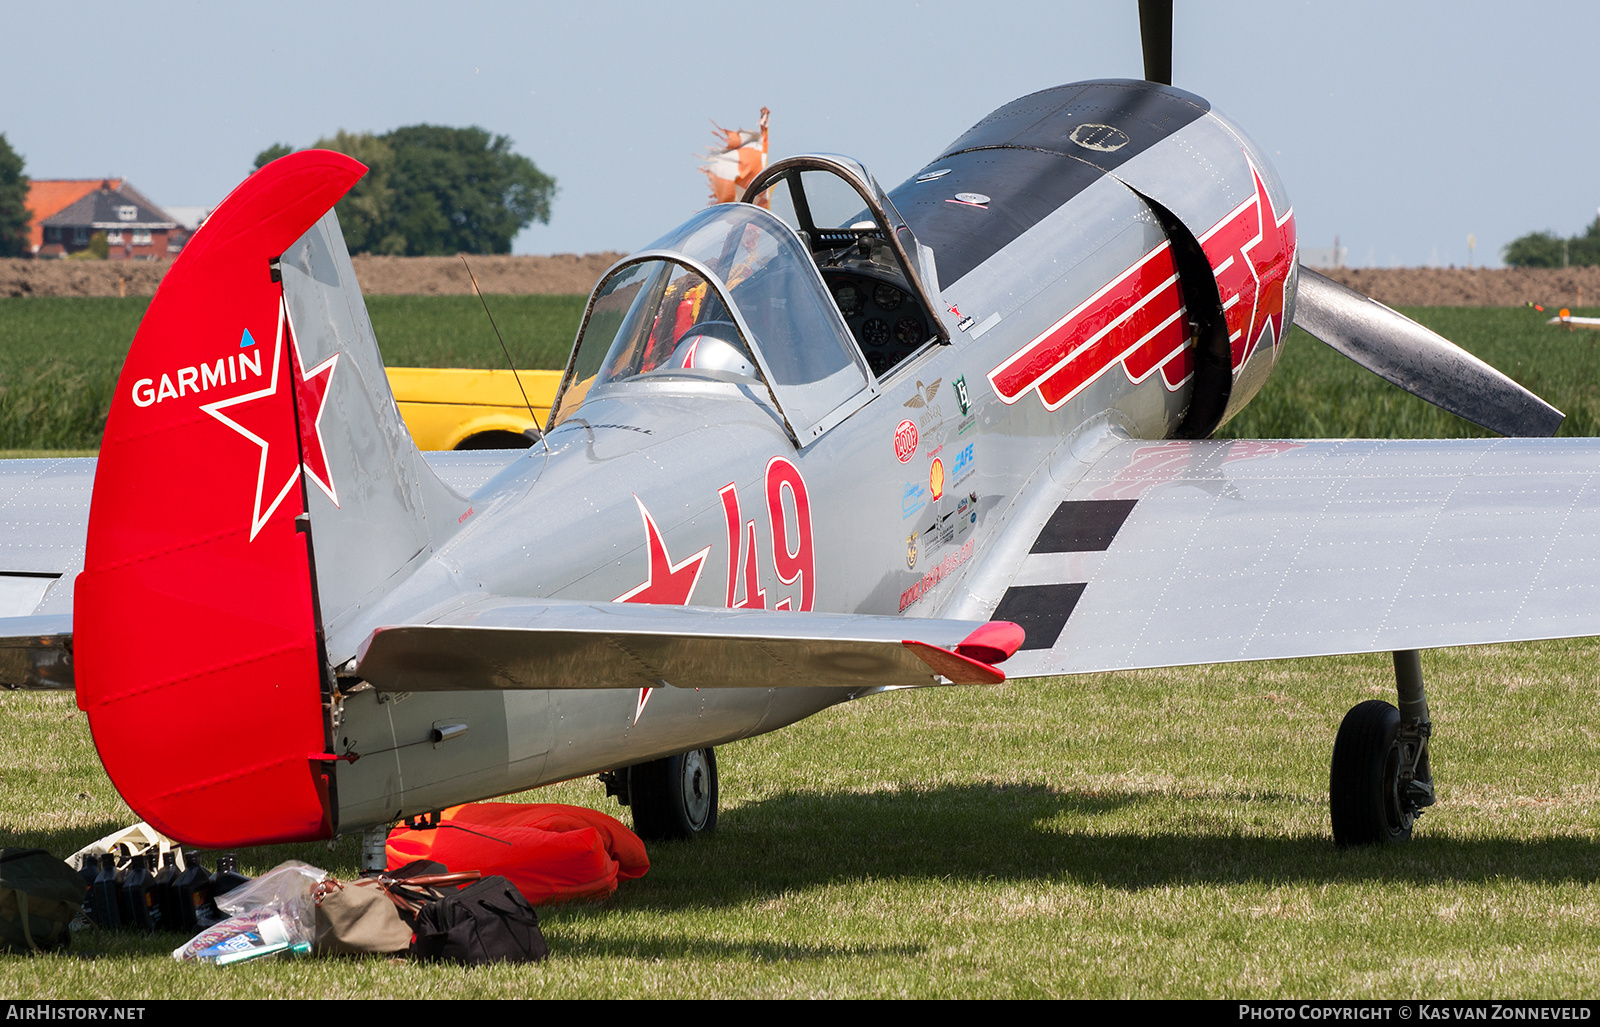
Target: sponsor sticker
point(962, 399)
point(228, 370)
point(905, 441)
point(911, 553)
point(923, 399)
point(914, 498)
point(963, 465)
point(936, 574)
point(576, 424)
point(936, 478)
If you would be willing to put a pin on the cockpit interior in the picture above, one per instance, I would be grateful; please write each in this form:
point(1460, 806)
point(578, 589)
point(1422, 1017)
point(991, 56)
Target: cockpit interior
point(816, 313)
point(855, 249)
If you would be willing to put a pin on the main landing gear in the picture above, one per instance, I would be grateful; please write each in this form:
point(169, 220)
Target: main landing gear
point(1380, 781)
point(673, 797)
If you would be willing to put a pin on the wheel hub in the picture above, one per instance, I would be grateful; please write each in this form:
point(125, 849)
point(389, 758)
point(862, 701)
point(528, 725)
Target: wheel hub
point(1399, 810)
point(696, 790)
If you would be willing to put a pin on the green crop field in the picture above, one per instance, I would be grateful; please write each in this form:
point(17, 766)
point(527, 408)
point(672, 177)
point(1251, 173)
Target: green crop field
point(59, 357)
point(1152, 834)
point(59, 360)
point(1316, 393)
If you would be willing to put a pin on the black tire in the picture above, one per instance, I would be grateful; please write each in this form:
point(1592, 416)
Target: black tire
point(1364, 793)
point(675, 797)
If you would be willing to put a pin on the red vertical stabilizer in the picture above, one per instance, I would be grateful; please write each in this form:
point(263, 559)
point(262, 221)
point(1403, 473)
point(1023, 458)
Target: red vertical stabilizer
point(195, 636)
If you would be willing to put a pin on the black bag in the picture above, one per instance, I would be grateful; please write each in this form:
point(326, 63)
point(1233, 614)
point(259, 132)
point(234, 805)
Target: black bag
point(39, 896)
point(487, 922)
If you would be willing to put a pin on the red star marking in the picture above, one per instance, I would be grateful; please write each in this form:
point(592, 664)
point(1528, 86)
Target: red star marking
point(264, 425)
point(311, 398)
point(664, 581)
point(1251, 251)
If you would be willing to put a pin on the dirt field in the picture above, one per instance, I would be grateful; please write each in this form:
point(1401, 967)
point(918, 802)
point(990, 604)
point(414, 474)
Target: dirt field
point(1509, 287)
point(563, 274)
point(569, 273)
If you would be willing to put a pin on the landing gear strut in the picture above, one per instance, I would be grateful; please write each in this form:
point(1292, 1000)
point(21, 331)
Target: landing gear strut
point(674, 797)
point(1380, 780)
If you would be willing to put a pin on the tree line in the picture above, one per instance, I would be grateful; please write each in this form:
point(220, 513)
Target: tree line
point(14, 214)
point(1546, 249)
point(432, 190)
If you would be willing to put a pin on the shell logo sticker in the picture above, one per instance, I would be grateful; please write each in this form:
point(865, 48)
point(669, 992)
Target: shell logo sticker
point(905, 441)
point(936, 478)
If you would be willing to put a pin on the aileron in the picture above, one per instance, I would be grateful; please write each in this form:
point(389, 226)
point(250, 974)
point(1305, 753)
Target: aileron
point(1249, 551)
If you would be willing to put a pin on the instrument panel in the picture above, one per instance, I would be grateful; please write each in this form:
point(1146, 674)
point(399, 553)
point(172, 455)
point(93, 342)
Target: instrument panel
point(888, 323)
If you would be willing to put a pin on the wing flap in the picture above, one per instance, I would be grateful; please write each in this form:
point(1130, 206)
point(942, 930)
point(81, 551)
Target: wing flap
point(500, 643)
point(1249, 550)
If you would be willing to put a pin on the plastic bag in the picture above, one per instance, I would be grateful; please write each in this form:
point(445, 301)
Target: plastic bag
point(272, 913)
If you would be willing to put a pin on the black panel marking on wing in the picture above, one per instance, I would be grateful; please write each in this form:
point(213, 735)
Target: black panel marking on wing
point(1085, 526)
point(1040, 610)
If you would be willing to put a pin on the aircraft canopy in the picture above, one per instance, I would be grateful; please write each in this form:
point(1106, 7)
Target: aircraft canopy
point(731, 294)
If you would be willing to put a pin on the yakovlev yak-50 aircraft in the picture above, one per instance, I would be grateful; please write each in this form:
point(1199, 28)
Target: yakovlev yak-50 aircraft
point(867, 440)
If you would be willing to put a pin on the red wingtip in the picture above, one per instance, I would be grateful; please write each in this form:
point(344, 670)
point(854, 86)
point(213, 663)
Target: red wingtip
point(993, 642)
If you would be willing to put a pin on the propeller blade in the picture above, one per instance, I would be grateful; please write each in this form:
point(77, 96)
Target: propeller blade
point(1155, 33)
point(1422, 362)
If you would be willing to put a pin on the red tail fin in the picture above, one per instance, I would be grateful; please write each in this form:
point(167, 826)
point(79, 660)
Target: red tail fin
point(195, 637)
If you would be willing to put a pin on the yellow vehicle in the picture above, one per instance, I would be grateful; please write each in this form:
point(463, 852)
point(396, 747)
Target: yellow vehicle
point(451, 408)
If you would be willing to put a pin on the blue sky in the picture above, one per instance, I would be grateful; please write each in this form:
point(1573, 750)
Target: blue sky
point(1399, 127)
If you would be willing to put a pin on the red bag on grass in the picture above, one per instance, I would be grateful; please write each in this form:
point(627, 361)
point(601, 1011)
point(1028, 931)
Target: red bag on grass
point(551, 852)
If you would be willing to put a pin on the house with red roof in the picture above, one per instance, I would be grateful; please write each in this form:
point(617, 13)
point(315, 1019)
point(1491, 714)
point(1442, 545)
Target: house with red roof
point(67, 213)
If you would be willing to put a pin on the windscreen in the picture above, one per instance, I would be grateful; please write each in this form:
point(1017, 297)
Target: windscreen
point(661, 317)
point(773, 282)
point(656, 317)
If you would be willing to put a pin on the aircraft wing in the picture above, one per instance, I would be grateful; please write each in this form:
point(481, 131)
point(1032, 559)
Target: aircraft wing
point(1172, 553)
point(44, 514)
point(508, 643)
point(44, 518)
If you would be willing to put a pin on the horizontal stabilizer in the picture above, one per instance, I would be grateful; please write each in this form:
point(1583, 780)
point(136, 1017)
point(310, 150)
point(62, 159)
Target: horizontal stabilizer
point(500, 643)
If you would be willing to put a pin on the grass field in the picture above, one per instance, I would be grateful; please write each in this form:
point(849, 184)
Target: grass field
point(1161, 833)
